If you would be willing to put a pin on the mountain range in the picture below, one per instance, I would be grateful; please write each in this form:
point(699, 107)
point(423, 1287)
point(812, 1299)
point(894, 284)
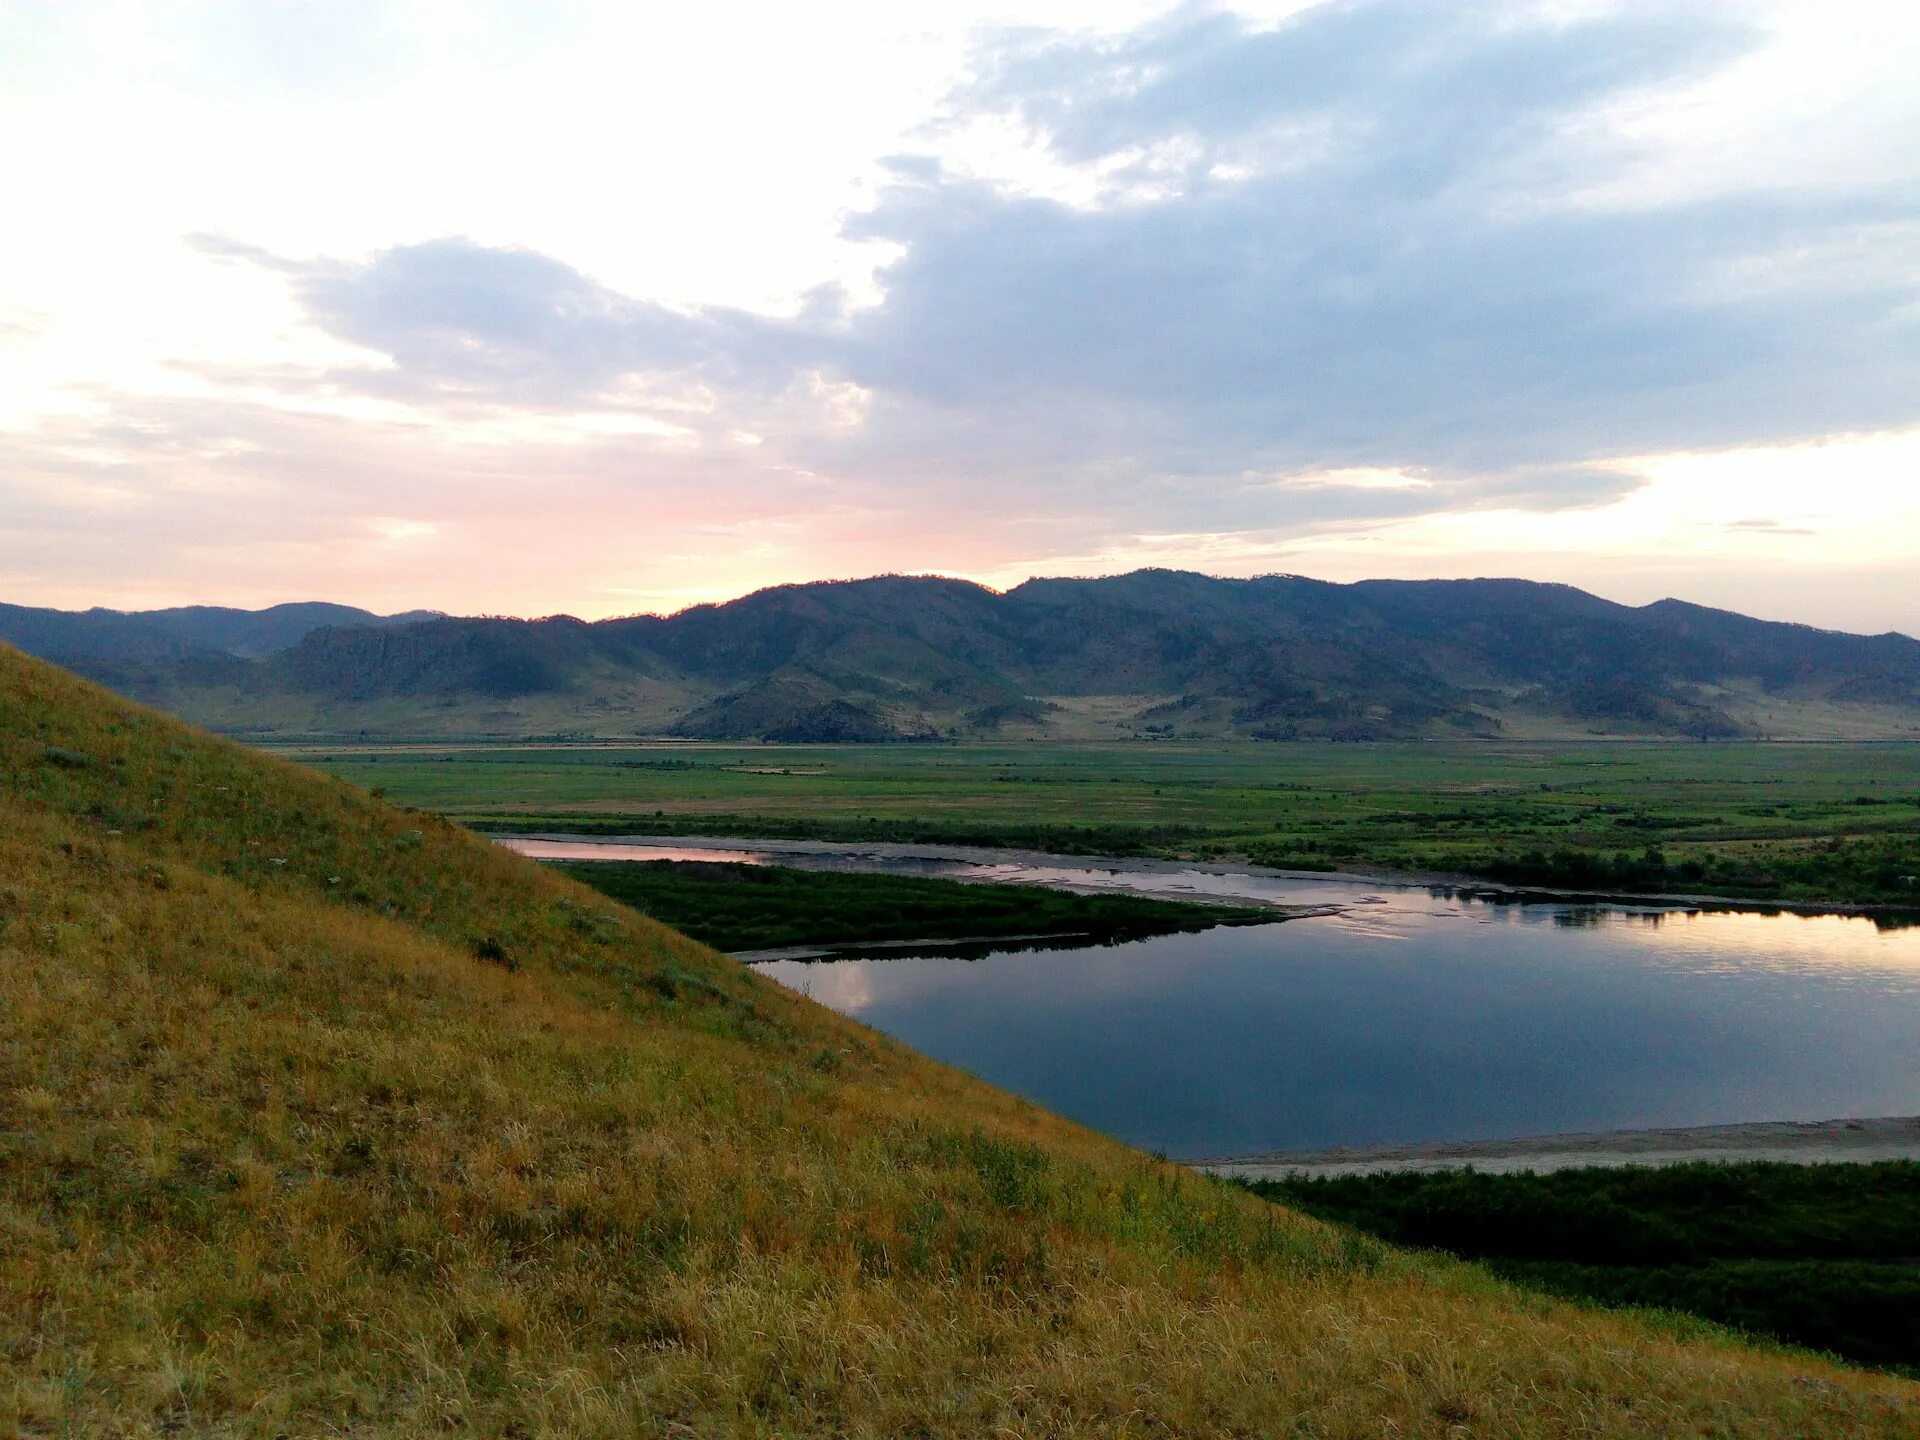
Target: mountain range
point(1153, 654)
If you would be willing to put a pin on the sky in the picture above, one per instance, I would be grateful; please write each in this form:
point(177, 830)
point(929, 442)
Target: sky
point(609, 308)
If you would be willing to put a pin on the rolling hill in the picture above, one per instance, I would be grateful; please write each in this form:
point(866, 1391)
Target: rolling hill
point(1151, 654)
point(201, 631)
point(321, 1116)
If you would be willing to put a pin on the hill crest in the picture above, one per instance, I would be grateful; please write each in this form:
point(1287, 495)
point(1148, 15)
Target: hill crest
point(1151, 654)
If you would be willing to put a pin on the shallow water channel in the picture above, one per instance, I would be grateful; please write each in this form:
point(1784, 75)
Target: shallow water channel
point(1409, 1014)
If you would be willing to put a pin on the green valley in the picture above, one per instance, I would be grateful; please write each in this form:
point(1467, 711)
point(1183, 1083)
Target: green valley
point(1803, 822)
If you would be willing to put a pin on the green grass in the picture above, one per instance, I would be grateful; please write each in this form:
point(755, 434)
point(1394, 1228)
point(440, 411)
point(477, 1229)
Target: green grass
point(761, 907)
point(1825, 1256)
point(1803, 822)
point(318, 1117)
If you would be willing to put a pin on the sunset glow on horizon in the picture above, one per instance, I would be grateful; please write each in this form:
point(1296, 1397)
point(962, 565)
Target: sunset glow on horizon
point(600, 310)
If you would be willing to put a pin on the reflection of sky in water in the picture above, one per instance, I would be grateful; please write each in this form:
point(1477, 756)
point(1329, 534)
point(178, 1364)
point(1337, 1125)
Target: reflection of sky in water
point(1429, 1019)
point(1414, 1015)
point(596, 850)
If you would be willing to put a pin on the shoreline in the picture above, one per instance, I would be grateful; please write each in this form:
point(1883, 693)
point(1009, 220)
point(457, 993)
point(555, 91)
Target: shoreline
point(1146, 865)
point(1843, 1140)
point(982, 855)
point(1802, 1142)
point(1063, 939)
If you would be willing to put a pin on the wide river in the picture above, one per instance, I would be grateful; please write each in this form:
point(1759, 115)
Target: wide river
point(1412, 1014)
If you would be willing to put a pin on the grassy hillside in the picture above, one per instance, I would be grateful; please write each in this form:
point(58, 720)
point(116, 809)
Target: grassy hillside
point(321, 1116)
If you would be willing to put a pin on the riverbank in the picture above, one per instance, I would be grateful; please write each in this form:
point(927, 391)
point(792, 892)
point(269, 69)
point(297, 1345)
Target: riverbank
point(969, 865)
point(998, 865)
point(1813, 824)
point(766, 912)
point(1796, 1142)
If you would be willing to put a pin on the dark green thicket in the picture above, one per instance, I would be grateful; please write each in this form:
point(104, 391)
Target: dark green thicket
point(1879, 869)
point(1826, 1256)
point(755, 907)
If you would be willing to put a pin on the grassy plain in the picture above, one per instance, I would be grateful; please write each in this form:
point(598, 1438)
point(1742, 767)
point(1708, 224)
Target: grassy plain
point(1818, 1255)
point(761, 907)
point(320, 1117)
point(1836, 821)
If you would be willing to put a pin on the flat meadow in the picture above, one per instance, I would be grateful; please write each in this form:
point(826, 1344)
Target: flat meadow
point(1833, 821)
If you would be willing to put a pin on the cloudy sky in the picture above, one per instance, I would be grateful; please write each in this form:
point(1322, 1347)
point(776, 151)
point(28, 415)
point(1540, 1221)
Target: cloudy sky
point(521, 308)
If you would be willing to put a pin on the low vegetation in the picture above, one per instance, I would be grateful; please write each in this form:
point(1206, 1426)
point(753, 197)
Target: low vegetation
point(1056, 839)
point(1833, 823)
point(762, 907)
point(1815, 1255)
point(318, 1116)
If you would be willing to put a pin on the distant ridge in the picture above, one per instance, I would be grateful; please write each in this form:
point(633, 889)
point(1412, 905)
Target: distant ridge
point(1152, 654)
point(123, 635)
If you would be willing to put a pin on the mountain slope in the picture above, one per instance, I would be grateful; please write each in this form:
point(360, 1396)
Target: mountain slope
point(254, 633)
point(203, 630)
point(321, 1116)
point(70, 636)
point(1155, 653)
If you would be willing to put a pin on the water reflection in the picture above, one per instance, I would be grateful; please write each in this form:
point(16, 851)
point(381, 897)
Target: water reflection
point(1144, 876)
point(538, 848)
point(1415, 1013)
point(1466, 1020)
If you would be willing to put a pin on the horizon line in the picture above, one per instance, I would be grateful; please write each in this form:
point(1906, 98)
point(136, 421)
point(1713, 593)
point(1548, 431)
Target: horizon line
point(427, 613)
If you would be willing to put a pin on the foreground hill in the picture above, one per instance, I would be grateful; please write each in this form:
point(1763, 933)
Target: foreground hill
point(321, 1116)
point(1152, 654)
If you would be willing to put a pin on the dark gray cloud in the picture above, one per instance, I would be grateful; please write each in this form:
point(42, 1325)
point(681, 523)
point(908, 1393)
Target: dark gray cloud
point(1352, 239)
point(463, 321)
point(1392, 274)
point(1409, 91)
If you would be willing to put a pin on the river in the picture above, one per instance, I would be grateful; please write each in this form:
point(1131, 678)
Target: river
point(1398, 1014)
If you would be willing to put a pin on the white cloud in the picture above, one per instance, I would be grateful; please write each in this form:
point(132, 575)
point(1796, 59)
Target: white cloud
point(1387, 283)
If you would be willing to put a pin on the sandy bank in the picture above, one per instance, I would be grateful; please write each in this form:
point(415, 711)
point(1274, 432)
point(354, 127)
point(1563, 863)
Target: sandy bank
point(1803, 1142)
point(1356, 875)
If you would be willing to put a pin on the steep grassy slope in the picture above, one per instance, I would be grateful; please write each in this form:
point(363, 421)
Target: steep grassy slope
point(320, 1116)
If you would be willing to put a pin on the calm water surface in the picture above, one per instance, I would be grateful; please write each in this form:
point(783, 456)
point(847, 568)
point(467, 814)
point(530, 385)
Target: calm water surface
point(1412, 1016)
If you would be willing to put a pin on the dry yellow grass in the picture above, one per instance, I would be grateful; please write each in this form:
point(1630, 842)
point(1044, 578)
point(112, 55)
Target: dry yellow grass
point(319, 1117)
